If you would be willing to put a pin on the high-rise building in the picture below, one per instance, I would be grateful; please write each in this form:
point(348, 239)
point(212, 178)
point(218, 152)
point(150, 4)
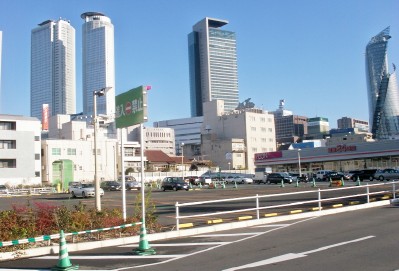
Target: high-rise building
point(212, 65)
point(382, 88)
point(98, 63)
point(318, 128)
point(347, 123)
point(53, 78)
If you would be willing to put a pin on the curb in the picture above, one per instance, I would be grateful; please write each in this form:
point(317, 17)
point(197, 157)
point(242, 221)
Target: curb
point(34, 252)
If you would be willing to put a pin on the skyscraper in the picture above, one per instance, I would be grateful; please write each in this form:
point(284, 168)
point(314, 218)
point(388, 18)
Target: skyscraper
point(98, 62)
point(382, 87)
point(213, 65)
point(53, 78)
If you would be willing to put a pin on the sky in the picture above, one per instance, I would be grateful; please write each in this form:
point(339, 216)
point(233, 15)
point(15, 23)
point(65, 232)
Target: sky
point(308, 52)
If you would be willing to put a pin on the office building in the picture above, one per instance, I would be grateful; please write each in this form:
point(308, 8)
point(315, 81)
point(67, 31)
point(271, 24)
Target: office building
point(382, 89)
point(347, 123)
point(212, 65)
point(53, 78)
point(159, 139)
point(98, 63)
point(318, 128)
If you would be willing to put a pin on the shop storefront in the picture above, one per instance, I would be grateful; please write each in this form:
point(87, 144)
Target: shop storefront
point(343, 157)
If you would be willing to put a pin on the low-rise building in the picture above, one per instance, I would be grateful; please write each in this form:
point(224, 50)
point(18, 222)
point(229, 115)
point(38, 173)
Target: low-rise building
point(20, 159)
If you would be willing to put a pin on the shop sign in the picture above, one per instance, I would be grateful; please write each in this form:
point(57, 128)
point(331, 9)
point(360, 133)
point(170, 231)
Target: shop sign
point(268, 155)
point(342, 148)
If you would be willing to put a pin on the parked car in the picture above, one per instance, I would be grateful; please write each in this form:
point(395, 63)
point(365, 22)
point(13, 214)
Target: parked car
point(133, 185)
point(4, 190)
point(334, 175)
point(320, 175)
point(85, 190)
point(245, 180)
point(174, 183)
point(233, 179)
point(111, 185)
point(73, 184)
point(386, 174)
point(365, 174)
point(303, 178)
point(204, 180)
point(278, 177)
point(192, 179)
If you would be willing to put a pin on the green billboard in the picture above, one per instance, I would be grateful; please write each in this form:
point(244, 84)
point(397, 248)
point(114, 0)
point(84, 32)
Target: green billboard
point(131, 107)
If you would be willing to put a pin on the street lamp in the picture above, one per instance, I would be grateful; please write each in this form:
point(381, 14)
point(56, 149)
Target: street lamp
point(96, 93)
point(182, 158)
point(299, 162)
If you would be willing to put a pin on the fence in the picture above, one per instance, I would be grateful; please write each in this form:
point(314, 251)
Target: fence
point(257, 208)
point(57, 235)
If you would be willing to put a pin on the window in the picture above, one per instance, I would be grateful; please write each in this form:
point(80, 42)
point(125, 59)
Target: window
point(7, 125)
point(56, 151)
point(8, 163)
point(37, 173)
point(8, 144)
point(71, 151)
point(37, 156)
point(37, 138)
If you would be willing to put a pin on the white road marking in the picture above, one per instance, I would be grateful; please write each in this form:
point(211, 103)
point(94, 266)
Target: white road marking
point(291, 256)
point(272, 225)
point(182, 244)
point(110, 257)
point(229, 234)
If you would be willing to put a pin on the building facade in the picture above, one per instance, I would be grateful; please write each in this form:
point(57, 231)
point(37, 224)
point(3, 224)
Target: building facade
point(254, 126)
point(212, 65)
point(187, 131)
point(98, 63)
point(53, 68)
point(162, 139)
point(347, 123)
point(318, 128)
point(382, 89)
point(20, 158)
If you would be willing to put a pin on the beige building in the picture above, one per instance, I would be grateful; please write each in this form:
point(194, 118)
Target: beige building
point(155, 138)
point(235, 137)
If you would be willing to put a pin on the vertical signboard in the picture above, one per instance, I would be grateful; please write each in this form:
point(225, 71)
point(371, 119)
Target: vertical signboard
point(45, 116)
point(131, 107)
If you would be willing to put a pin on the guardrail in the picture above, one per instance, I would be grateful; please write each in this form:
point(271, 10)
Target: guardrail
point(320, 199)
point(57, 235)
point(31, 191)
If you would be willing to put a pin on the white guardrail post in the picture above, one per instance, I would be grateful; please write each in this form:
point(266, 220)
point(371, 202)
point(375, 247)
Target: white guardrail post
point(177, 215)
point(319, 198)
point(368, 193)
point(393, 190)
point(257, 206)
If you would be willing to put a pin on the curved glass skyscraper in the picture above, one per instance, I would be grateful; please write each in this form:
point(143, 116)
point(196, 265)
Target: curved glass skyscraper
point(382, 87)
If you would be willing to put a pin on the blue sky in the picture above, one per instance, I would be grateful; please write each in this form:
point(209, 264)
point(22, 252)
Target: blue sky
point(309, 52)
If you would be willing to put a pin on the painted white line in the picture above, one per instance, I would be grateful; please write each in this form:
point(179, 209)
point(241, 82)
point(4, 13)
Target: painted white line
point(110, 257)
point(183, 244)
point(292, 256)
point(273, 260)
point(273, 225)
point(229, 234)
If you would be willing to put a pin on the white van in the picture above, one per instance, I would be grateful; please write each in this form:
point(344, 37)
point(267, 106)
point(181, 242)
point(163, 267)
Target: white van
point(320, 174)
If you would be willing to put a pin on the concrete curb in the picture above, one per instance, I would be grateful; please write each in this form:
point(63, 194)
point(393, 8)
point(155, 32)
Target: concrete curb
point(34, 252)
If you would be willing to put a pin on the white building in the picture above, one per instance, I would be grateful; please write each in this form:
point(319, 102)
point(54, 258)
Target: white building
point(155, 138)
point(68, 153)
point(254, 126)
point(20, 159)
point(98, 63)
point(53, 71)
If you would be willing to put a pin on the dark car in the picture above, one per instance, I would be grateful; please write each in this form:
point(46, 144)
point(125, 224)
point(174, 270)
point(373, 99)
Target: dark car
point(174, 183)
point(111, 185)
point(365, 174)
point(333, 175)
point(278, 177)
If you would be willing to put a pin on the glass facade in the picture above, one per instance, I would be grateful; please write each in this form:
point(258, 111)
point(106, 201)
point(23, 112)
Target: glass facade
point(383, 92)
point(213, 65)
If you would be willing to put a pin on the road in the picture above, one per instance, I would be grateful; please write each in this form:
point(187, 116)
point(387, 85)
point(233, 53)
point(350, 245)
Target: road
point(364, 240)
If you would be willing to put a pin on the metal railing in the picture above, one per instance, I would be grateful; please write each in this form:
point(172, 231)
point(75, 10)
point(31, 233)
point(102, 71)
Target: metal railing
point(321, 198)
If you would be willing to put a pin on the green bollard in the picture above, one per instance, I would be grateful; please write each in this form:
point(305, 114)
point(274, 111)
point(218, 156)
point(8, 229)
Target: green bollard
point(235, 184)
point(342, 181)
point(358, 181)
point(313, 182)
point(200, 185)
point(330, 182)
point(297, 183)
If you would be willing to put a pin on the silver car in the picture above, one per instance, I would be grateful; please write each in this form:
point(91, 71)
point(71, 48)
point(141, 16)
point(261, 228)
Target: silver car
point(387, 174)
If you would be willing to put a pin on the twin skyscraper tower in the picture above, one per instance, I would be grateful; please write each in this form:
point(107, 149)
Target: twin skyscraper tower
point(53, 66)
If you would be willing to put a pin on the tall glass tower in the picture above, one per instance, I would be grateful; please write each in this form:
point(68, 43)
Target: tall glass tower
point(98, 62)
point(53, 69)
point(212, 65)
point(382, 87)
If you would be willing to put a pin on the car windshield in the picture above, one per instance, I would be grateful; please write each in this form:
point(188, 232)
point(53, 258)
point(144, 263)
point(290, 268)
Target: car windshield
point(87, 185)
point(3, 187)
